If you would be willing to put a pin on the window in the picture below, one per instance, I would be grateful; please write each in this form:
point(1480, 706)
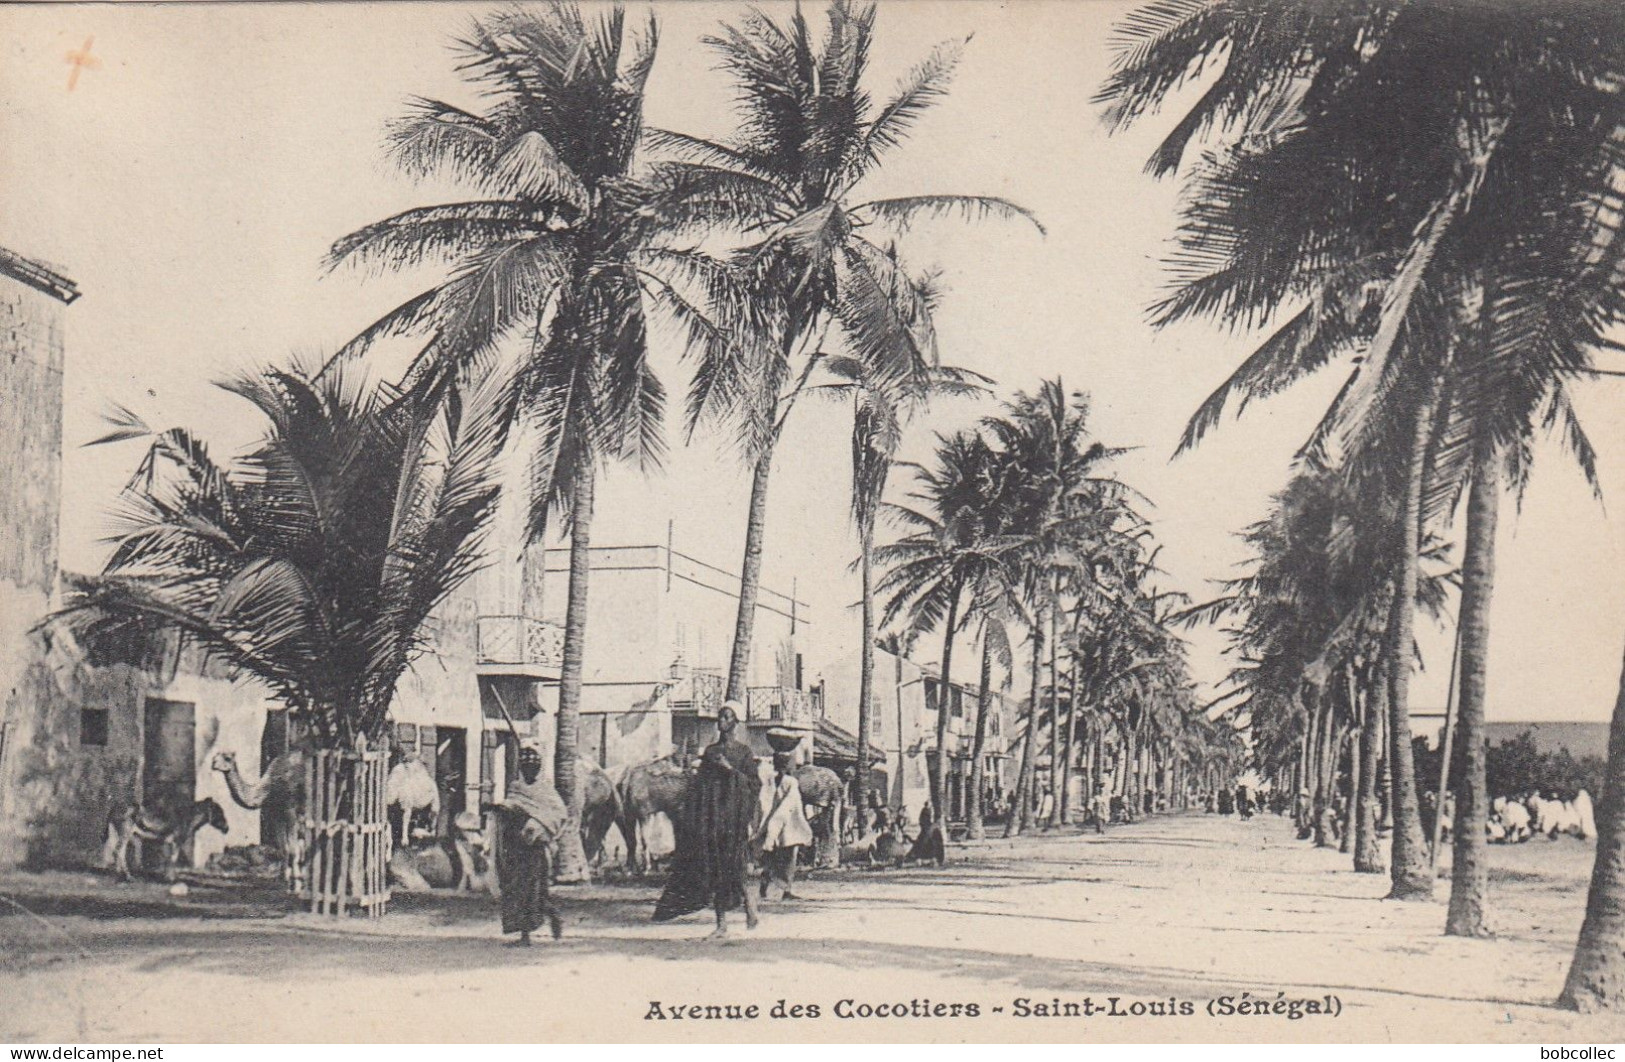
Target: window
point(93, 726)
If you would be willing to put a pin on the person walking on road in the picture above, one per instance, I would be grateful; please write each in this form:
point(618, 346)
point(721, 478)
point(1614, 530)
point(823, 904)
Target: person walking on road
point(529, 821)
point(710, 865)
point(785, 829)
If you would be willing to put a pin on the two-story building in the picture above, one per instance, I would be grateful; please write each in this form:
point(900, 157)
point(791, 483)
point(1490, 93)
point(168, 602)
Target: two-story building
point(907, 699)
point(660, 625)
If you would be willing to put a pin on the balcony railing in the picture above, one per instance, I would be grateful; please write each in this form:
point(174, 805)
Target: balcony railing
point(779, 704)
point(518, 641)
point(701, 693)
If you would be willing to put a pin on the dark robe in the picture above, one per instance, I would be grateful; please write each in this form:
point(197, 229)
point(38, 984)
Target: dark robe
point(710, 866)
point(529, 822)
point(929, 846)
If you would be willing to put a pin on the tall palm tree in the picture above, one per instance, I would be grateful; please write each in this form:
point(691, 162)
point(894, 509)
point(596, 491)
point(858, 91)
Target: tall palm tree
point(312, 562)
point(880, 414)
point(997, 616)
point(558, 256)
point(809, 262)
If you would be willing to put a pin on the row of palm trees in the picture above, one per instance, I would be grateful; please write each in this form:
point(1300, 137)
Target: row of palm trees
point(1434, 188)
point(1019, 527)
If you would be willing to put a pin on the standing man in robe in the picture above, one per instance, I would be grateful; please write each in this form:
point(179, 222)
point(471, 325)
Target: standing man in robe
point(529, 821)
point(711, 865)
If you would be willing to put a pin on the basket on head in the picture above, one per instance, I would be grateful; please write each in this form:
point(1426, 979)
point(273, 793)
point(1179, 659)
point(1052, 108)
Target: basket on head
point(781, 739)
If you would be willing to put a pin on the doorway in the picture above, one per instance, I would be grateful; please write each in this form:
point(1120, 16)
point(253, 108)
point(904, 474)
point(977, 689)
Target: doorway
point(451, 773)
point(169, 780)
point(169, 765)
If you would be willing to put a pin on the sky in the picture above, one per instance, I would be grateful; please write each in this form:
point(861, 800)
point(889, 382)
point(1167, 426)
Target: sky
point(197, 170)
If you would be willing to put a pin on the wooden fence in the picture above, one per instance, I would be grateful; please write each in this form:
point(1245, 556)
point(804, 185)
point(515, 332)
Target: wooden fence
point(342, 851)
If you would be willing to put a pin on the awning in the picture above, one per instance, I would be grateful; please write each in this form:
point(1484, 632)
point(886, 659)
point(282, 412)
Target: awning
point(835, 747)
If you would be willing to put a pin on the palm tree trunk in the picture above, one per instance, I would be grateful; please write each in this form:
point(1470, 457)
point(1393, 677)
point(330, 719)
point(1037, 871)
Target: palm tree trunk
point(939, 781)
point(1021, 814)
point(1469, 881)
point(1098, 770)
point(1367, 852)
point(1351, 807)
point(1054, 712)
point(1596, 979)
point(1327, 826)
point(1064, 799)
point(1317, 815)
point(1412, 877)
point(1385, 773)
point(975, 829)
point(1086, 764)
point(866, 673)
point(750, 577)
point(572, 858)
point(1305, 802)
point(1131, 773)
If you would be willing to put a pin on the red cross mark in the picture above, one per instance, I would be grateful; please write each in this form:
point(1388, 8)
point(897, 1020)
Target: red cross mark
point(81, 60)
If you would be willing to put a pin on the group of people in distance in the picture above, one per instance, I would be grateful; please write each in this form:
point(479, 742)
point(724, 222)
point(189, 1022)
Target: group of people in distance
point(732, 818)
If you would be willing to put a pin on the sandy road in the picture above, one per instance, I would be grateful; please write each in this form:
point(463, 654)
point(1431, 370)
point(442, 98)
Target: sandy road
point(1166, 916)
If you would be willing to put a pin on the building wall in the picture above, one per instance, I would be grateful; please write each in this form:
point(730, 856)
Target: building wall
point(655, 615)
point(442, 687)
point(58, 788)
point(904, 725)
point(55, 794)
point(31, 328)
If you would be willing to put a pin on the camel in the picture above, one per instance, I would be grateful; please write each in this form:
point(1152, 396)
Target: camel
point(600, 806)
point(460, 861)
point(280, 792)
point(823, 794)
point(648, 790)
point(659, 788)
point(412, 793)
point(134, 823)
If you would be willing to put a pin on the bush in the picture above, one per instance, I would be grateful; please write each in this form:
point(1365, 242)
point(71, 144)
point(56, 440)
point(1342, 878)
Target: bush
point(1518, 766)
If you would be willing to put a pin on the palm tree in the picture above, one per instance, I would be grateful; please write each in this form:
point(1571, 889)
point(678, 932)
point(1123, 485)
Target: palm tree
point(880, 413)
point(997, 615)
point(809, 264)
point(556, 256)
point(311, 563)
